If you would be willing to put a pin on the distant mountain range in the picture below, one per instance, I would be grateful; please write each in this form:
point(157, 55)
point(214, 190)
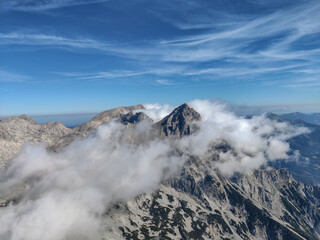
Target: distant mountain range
point(198, 203)
point(313, 118)
point(306, 167)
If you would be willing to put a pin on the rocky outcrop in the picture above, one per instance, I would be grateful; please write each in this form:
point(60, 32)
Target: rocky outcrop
point(134, 118)
point(15, 131)
point(180, 122)
point(103, 118)
point(89, 127)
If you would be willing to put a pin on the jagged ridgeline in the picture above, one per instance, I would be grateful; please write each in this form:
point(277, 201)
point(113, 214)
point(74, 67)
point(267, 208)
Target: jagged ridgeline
point(164, 190)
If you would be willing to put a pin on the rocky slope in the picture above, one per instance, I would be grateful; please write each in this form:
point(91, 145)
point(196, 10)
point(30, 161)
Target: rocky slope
point(102, 118)
point(15, 131)
point(267, 204)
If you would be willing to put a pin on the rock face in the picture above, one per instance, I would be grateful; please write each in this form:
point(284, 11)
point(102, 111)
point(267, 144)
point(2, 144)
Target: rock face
point(197, 203)
point(105, 117)
point(15, 131)
point(134, 118)
point(89, 127)
point(179, 122)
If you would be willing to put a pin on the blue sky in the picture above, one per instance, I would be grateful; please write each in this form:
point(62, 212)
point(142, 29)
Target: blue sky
point(68, 56)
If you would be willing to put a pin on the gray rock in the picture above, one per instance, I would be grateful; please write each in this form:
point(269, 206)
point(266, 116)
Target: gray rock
point(15, 131)
point(180, 122)
point(134, 118)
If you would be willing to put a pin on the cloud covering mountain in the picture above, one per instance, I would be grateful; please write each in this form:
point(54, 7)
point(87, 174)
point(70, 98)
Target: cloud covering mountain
point(64, 195)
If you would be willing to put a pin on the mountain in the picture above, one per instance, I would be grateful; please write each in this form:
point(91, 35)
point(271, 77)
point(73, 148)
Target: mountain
point(202, 205)
point(89, 127)
point(306, 167)
point(313, 118)
point(15, 131)
point(179, 122)
point(103, 118)
point(196, 203)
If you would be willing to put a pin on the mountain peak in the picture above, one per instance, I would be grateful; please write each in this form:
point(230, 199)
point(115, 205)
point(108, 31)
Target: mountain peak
point(179, 122)
point(186, 111)
point(107, 115)
point(184, 107)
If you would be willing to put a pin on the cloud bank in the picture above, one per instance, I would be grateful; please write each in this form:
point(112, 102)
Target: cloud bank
point(65, 195)
point(248, 143)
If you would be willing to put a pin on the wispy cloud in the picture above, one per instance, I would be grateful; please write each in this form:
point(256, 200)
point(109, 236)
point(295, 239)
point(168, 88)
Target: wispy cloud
point(20, 38)
point(166, 82)
point(232, 71)
point(264, 38)
point(114, 74)
point(38, 5)
point(267, 37)
point(241, 46)
point(13, 77)
point(108, 75)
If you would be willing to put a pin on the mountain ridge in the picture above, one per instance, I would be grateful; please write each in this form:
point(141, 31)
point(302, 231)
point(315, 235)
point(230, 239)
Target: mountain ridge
point(312, 118)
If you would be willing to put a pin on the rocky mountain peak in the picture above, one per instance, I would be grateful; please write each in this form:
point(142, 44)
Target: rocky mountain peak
point(180, 122)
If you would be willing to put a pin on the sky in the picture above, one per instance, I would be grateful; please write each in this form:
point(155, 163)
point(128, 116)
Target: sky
point(81, 56)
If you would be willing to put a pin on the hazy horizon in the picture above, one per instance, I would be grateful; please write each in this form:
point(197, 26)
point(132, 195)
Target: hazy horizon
point(75, 119)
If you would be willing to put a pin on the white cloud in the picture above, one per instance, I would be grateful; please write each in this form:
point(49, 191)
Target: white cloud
point(252, 142)
point(157, 111)
point(67, 192)
point(46, 40)
point(165, 82)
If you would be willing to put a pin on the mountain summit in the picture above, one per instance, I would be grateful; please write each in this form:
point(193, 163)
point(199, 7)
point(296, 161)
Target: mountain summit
point(179, 122)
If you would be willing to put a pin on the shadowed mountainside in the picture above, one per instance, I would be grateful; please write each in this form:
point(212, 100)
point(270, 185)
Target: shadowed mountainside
point(313, 118)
